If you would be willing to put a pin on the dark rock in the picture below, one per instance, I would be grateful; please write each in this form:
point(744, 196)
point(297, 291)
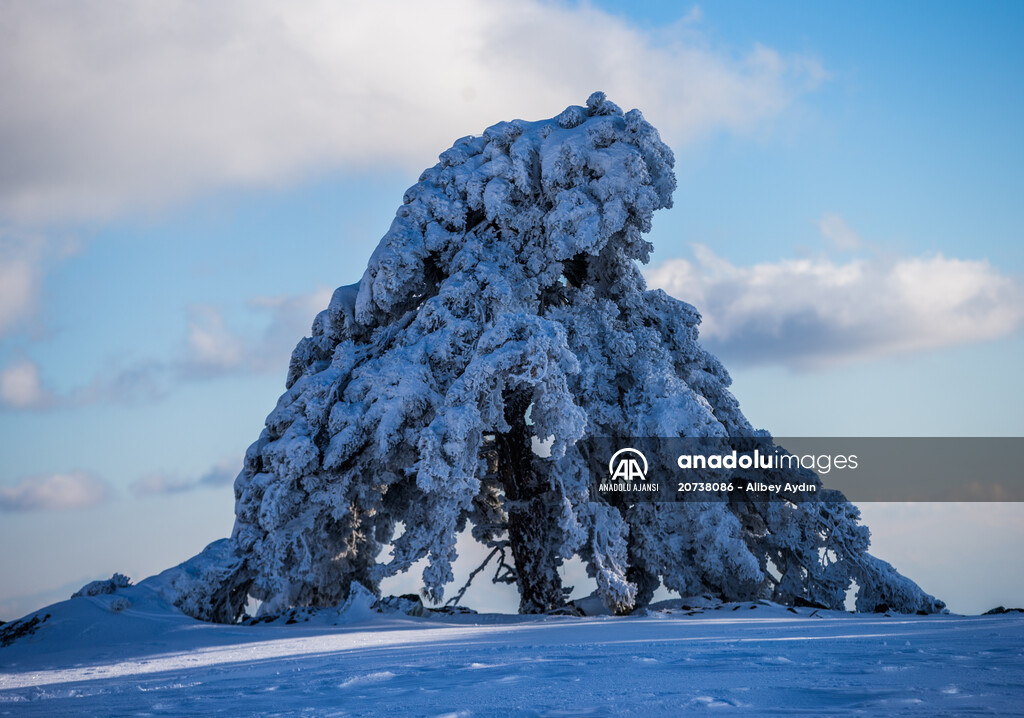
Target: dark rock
point(410, 604)
point(14, 630)
point(99, 588)
point(801, 602)
point(453, 610)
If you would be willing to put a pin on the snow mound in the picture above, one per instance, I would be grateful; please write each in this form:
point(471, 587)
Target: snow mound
point(752, 658)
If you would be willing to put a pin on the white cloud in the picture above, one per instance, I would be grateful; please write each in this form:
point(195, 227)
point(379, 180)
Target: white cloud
point(24, 258)
point(54, 492)
point(211, 348)
point(17, 289)
point(21, 388)
point(155, 484)
point(117, 104)
point(210, 345)
point(221, 474)
point(291, 318)
point(20, 258)
point(816, 312)
point(834, 228)
point(214, 348)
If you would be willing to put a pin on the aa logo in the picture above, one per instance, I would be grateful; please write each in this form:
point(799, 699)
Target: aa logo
point(625, 465)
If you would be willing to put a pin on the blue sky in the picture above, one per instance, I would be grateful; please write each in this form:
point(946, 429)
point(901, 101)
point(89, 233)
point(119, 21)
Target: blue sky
point(181, 188)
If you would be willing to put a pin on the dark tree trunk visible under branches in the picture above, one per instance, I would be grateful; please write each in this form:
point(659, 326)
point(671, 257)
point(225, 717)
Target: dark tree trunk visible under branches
point(530, 524)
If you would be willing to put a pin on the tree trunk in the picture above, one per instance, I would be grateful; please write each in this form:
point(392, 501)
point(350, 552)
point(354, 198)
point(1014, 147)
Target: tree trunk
point(530, 524)
point(646, 582)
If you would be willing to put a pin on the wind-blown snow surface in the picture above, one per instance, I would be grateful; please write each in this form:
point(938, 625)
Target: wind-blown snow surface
point(88, 658)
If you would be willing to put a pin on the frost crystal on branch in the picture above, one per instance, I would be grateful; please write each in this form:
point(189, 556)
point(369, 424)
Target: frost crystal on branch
point(505, 306)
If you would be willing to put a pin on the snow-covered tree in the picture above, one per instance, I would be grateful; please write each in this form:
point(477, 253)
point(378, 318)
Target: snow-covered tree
point(505, 306)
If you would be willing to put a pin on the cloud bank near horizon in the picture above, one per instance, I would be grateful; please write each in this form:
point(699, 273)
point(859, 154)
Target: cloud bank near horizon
point(814, 313)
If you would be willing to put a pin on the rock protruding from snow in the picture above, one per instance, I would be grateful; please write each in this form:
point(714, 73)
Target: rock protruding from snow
point(98, 588)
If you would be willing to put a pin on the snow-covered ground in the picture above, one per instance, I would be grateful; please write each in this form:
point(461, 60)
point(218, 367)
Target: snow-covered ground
point(130, 653)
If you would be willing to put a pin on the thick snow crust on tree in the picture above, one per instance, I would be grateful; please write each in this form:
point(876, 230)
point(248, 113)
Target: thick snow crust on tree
point(505, 302)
